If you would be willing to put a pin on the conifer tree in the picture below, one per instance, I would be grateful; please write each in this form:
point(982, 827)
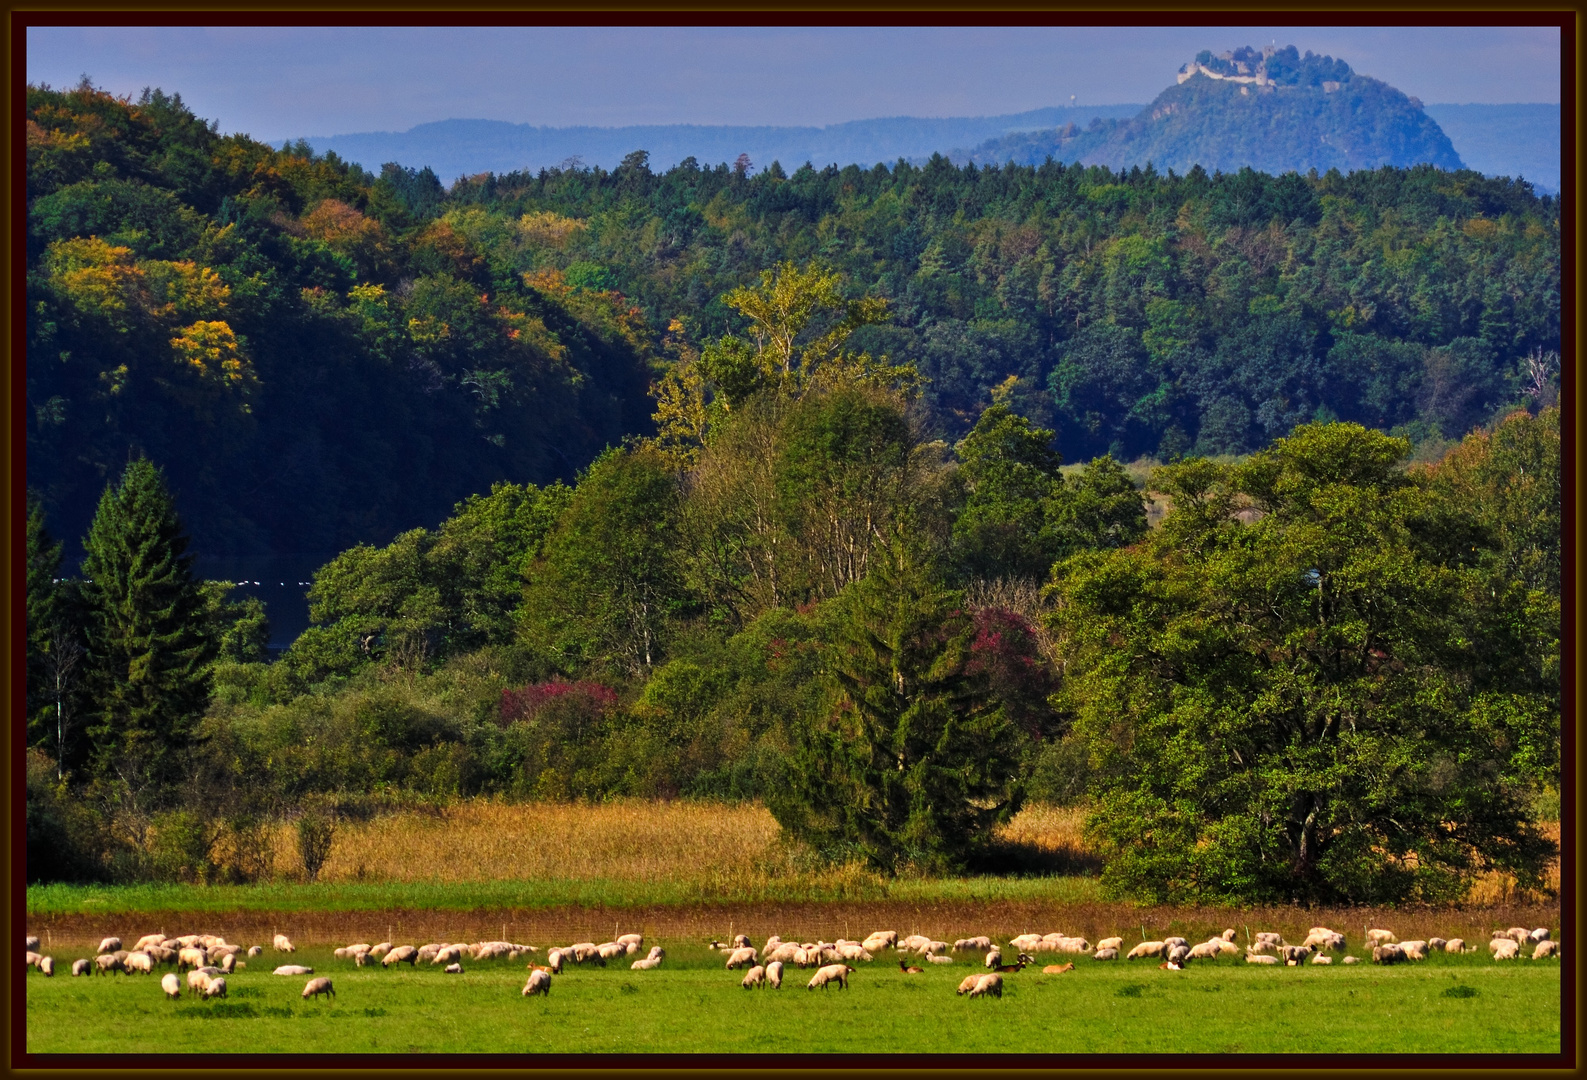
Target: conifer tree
point(148, 650)
point(44, 564)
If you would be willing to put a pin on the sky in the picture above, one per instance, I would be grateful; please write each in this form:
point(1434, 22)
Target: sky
point(280, 82)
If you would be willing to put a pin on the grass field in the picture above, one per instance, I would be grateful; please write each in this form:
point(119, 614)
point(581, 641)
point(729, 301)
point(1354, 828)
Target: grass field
point(1447, 1004)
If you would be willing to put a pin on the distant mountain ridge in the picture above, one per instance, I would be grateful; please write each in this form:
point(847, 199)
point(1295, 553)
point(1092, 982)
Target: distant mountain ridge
point(454, 148)
point(1274, 111)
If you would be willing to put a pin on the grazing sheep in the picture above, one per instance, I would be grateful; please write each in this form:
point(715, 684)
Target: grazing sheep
point(1323, 938)
point(162, 955)
point(140, 962)
point(611, 950)
point(934, 958)
point(451, 954)
point(988, 985)
point(1518, 934)
point(740, 957)
point(1058, 969)
point(785, 951)
point(1260, 958)
point(1544, 948)
point(30, 943)
point(255, 950)
point(832, 973)
point(1025, 942)
point(915, 942)
point(1294, 954)
point(934, 948)
point(740, 941)
point(1175, 941)
point(191, 958)
point(402, 954)
point(755, 976)
point(854, 952)
point(1272, 939)
point(148, 940)
point(31, 959)
point(1228, 934)
point(293, 969)
point(229, 963)
point(1436, 944)
point(215, 988)
point(172, 986)
point(585, 951)
point(1388, 953)
point(1508, 949)
point(539, 983)
point(1111, 943)
point(1540, 934)
point(1498, 942)
point(1263, 947)
point(1147, 948)
point(774, 975)
point(189, 941)
point(1414, 950)
point(980, 944)
point(967, 984)
point(1178, 954)
point(1455, 945)
point(995, 957)
point(554, 960)
point(282, 944)
point(1351, 960)
point(197, 979)
point(453, 969)
point(82, 967)
point(883, 939)
point(108, 962)
point(47, 966)
point(110, 944)
point(1105, 954)
point(1322, 958)
point(1380, 937)
point(316, 987)
point(1207, 950)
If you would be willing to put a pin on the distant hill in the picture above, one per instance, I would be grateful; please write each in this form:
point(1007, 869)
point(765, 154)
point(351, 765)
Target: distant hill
point(1506, 140)
point(1274, 111)
point(454, 148)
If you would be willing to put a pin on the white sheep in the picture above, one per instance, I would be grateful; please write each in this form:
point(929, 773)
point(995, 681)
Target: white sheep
point(148, 940)
point(172, 986)
point(1544, 948)
point(1026, 942)
point(915, 943)
point(1146, 949)
point(988, 985)
point(851, 951)
point(47, 966)
point(1518, 934)
point(881, 939)
point(1269, 938)
point(740, 957)
point(283, 945)
point(194, 957)
point(293, 969)
point(110, 944)
point(967, 984)
point(402, 954)
point(375, 951)
point(995, 957)
point(1078, 945)
point(189, 941)
point(197, 979)
point(979, 944)
point(1507, 949)
point(1351, 960)
point(1380, 937)
point(215, 988)
point(630, 939)
point(31, 959)
point(255, 950)
point(539, 983)
point(1178, 954)
point(1436, 944)
point(1206, 951)
point(832, 973)
point(774, 975)
point(1109, 953)
point(1294, 954)
point(316, 987)
point(611, 950)
point(82, 967)
point(1388, 953)
point(211, 940)
point(1540, 934)
point(1455, 945)
point(229, 963)
point(108, 962)
point(1260, 958)
point(650, 962)
point(1414, 950)
point(140, 962)
point(1322, 958)
point(1111, 943)
point(449, 955)
point(786, 951)
point(554, 960)
point(453, 969)
point(1175, 941)
point(755, 976)
point(938, 958)
point(30, 943)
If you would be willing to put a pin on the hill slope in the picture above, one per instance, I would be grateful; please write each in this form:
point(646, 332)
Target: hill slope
point(1307, 113)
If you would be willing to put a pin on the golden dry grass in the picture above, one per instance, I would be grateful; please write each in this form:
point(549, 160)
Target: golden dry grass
point(1496, 889)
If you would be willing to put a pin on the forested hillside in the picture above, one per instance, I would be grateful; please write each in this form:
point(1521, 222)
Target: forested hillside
point(319, 356)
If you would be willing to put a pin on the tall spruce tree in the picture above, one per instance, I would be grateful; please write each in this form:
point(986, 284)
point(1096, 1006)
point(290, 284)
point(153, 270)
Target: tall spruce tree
point(148, 650)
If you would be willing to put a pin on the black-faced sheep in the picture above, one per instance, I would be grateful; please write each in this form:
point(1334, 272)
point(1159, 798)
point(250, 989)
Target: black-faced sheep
point(215, 988)
point(740, 957)
point(172, 986)
point(539, 983)
point(110, 944)
point(316, 987)
point(82, 967)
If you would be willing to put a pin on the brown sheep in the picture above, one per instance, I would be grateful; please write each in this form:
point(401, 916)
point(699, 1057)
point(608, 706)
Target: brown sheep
point(316, 987)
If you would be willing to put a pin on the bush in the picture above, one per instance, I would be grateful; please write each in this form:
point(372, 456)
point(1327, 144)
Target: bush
point(316, 830)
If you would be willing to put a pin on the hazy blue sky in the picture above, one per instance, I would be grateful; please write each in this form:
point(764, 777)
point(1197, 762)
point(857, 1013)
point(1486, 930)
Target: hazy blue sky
point(285, 82)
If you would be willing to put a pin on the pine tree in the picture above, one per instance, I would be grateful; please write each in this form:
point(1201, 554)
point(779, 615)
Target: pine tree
point(44, 564)
point(148, 651)
point(916, 765)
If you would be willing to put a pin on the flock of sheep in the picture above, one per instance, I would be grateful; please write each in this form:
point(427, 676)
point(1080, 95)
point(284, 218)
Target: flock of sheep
point(208, 959)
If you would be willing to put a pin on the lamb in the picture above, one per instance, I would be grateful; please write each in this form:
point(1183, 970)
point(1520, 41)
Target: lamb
point(1414, 950)
point(651, 961)
point(1455, 945)
point(283, 945)
point(47, 966)
point(1544, 948)
point(293, 969)
point(140, 962)
point(30, 943)
point(936, 958)
point(1148, 948)
point(995, 957)
point(539, 983)
point(401, 954)
point(1260, 958)
point(108, 962)
point(774, 975)
point(172, 986)
point(1507, 949)
point(838, 973)
point(453, 969)
point(1388, 953)
point(1380, 937)
point(980, 944)
point(82, 967)
point(755, 976)
point(739, 957)
point(988, 985)
point(1538, 935)
point(1105, 954)
point(215, 988)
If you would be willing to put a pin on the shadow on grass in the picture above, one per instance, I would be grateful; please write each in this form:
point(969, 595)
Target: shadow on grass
point(1023, 858)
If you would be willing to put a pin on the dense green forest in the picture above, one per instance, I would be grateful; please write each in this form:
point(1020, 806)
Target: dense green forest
point(319, 356)
point(842, 567)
